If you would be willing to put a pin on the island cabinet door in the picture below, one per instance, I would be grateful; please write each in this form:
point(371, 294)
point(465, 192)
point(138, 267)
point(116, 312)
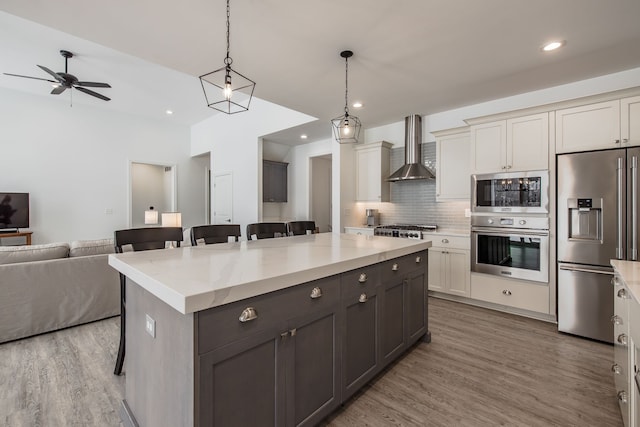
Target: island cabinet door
point(312, 368)
point(416, 305)
point(242, 384)
point(392, 319)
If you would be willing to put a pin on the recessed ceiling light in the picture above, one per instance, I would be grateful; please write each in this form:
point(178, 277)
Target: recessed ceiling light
point(553, 45)
point(303, 136)
point(169, 112)
point(357, 104)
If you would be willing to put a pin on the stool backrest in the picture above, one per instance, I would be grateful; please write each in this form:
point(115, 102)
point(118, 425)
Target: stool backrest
point(215, 233)
point(144, 239)
point(266, 230)
point(296, 228)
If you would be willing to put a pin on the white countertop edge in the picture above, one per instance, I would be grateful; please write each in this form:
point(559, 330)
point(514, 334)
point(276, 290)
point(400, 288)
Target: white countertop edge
point(186, 304)
point(629, 271)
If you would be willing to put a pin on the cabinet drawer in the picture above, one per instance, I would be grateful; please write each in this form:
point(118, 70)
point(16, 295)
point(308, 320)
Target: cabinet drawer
point(221, 325)
point(452, 242)
point(399, 267)
point(521, 295)
point(360, 280)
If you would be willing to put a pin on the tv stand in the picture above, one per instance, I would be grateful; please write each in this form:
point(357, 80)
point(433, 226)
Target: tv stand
point(8, 230)
point(17, 233)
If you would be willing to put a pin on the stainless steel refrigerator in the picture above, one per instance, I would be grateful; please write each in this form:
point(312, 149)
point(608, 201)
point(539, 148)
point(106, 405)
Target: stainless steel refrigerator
point(597, 221)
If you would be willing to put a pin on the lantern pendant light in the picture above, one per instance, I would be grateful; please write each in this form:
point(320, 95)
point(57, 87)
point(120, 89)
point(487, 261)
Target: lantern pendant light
point(346, 128)
point(225, 89)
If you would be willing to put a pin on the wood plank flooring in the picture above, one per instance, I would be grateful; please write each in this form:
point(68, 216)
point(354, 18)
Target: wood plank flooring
point(483, 368)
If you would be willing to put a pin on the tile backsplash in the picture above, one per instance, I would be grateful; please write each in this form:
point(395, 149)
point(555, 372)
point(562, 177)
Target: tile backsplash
point(414, 202)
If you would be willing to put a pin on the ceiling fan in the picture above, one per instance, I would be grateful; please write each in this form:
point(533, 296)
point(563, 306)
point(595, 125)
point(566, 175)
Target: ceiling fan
point(64, 81)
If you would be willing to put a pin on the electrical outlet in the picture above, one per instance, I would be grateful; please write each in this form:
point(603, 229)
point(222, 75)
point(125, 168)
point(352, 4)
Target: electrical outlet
point(150, 326)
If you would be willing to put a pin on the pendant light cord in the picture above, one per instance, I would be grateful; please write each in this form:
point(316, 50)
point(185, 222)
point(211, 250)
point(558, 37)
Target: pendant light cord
point(346, 85)
point(228, 59)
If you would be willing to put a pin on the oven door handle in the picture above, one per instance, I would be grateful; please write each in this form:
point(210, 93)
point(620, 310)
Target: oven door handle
point(510, 231)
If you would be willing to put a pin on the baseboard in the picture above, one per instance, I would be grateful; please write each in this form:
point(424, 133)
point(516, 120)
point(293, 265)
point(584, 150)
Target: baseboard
point(128, 420)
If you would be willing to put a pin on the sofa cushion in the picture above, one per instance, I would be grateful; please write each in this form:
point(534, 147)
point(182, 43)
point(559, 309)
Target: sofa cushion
point(91, 247)
point(14, 254)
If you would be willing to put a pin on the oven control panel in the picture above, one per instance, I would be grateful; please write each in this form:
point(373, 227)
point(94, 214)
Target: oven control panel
point(535, 223)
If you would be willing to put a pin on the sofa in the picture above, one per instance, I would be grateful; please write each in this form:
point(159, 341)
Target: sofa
point(52, 286)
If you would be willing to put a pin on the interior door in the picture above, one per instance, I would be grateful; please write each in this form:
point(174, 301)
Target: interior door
point(223, 198)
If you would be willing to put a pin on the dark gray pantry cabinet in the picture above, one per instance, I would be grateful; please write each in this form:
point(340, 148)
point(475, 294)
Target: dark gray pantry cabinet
point(302, 351)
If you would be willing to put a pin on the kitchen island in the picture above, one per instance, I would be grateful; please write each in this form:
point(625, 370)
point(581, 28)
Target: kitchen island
point(268, 332)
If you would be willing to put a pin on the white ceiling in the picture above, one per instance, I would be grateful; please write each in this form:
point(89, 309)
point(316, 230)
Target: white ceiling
point(411, 56)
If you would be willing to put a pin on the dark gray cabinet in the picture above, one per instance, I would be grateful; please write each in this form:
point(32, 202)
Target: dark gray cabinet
point(274, 181)
point(289, 358)
point(271, 360)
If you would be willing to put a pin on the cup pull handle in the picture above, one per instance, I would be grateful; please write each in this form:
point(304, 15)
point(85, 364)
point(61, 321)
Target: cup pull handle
point(363, 298)
point(248, 314)
point(316, 293)
point(362, 278)
point(394, 267)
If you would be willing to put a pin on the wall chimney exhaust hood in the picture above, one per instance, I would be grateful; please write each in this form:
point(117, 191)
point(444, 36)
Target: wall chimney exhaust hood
point(413, 167)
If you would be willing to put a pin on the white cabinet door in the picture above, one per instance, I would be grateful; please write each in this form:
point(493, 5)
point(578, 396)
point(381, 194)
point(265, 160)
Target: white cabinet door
point(452, 164)
point(372, 170)
point(588, 127)
point(630, 120)
point(528, 143)
point(458, 270)
point(437, 270)
point(489, 147)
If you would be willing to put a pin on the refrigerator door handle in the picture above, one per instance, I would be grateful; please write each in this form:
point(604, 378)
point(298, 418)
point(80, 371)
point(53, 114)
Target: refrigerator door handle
point(584, 269)
point(619, 196)
point(633, 256)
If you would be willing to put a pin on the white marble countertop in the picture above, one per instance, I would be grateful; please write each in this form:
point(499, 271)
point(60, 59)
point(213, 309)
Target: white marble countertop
point(630, 273)
point(191, 279)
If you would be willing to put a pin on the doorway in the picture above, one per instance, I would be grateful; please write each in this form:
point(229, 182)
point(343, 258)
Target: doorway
point(320, 192)
point(150, 185)
point(223, 198)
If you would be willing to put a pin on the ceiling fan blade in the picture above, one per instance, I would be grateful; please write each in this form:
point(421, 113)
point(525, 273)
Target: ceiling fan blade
point(29, 77)
point(92, 93)
point(55, 75)
point(58, 90)
point(92, 84)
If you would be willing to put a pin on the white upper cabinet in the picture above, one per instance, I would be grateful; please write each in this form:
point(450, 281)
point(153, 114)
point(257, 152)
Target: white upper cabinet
point(373, 164)
point(452, 164)
point(518, 144)
point(630, 120)
point(588, 127)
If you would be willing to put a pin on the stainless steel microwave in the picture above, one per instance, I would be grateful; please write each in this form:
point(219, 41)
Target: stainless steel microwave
point(517, 192)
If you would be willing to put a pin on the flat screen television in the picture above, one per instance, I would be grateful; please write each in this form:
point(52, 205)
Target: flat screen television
point(14, 210)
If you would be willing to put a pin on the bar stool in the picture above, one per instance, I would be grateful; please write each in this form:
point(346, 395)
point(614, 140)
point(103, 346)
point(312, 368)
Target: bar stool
point(266, 230)
point(297, 228)
point(140, 239)
point(216, 233)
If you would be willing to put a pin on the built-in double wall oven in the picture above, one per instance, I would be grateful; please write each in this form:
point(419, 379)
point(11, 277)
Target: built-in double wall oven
point(510, 225)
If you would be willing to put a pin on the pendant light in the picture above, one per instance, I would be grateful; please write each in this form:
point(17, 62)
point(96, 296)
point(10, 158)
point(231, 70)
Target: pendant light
point(227, 90)
point(346, 128)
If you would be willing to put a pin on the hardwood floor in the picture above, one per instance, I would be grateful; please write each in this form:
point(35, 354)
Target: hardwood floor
point(482, 368)
point(486, 368)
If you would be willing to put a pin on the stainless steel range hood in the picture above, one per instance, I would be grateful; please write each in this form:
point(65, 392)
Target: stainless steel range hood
point(413, 167)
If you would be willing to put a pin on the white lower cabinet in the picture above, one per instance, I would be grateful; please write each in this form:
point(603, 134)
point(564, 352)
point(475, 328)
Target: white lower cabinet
point(519, 294)
point(449, 265)
point(365, 231)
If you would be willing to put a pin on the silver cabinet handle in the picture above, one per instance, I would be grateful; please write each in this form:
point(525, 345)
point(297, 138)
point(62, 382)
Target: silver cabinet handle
point(616, 141)
point(248, 314)
point(616, 320)
point(394, 267)
point(445, 240)
point(615, 368)
point(622, 294)
point(622, 396)
point(316, 293)
point(622, 339)
point(363, 298)
point(506, 292)
point(418, 260)
point(634, 209)
point(619, 210)
point(362, 278)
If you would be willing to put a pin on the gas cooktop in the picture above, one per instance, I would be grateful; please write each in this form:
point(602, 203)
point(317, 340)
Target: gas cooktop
point(409, 231)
